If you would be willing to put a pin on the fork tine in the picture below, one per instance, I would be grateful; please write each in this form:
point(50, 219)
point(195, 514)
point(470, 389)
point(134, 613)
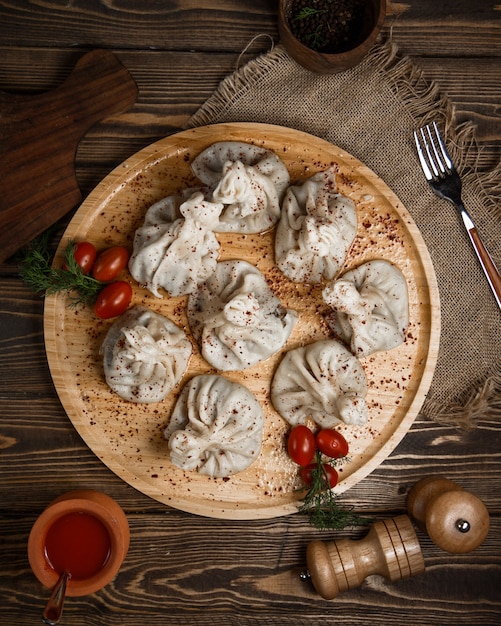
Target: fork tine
point(433, 156)
point(422, 160)
point(428, 151)
point(438, 158)
point(445, 154)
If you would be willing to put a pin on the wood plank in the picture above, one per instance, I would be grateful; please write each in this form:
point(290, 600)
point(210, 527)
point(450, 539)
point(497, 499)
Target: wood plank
point(174, 80)
point(171, 89)
point(473, 86)
point(160, 25)
point(253, 579)
point(462, 28)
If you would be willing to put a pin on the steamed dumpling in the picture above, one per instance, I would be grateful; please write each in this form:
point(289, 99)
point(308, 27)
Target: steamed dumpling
point(248, 180)
point(216, 427)
point(176, 247)
point(322, 381)
point(236, 319)
point(315, 231)
point(371, 308)
point(144, 355)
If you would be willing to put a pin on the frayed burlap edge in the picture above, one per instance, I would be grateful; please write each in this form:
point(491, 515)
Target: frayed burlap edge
point(484, 402)
point(425, 103)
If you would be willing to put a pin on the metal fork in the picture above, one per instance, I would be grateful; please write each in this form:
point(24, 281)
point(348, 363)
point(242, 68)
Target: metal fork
point(446, 183)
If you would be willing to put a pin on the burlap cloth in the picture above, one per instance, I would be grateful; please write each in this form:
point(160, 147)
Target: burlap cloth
point(371, 111)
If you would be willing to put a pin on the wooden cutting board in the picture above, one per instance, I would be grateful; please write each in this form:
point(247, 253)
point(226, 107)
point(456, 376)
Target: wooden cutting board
point(39, 136)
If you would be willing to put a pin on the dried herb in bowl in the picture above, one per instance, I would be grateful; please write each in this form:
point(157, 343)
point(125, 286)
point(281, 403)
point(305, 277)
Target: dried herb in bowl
point(328, 26)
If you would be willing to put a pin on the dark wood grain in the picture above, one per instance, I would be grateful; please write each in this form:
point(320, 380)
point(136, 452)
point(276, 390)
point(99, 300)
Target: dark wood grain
point(463, 26)
point(249, 575)
point(182, 569)
point(172, 89)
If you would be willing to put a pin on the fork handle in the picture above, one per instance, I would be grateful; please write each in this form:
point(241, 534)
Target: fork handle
point(490, 269)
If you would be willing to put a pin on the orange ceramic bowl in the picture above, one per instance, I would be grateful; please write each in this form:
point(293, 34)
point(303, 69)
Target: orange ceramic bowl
point(109, 516)
point(323, 63)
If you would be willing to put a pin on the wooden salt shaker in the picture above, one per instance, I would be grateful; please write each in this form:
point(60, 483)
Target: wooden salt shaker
point(390, 549)
point(454, 519)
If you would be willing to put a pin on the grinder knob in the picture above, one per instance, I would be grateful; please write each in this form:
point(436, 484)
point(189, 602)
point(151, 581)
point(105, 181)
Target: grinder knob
point(390, 549)
point(455, 520)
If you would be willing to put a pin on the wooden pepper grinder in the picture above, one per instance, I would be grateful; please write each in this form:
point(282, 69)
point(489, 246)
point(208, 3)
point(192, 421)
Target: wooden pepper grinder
point(454, 519)
point(390, 549)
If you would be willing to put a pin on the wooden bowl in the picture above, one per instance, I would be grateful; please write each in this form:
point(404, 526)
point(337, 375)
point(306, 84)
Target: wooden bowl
point(107, 512)
point(324, 63)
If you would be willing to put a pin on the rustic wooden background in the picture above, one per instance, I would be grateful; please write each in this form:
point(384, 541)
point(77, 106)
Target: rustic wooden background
point(182, 569)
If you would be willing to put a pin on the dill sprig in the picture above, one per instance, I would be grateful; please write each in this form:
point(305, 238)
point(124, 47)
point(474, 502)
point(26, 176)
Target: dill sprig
point(321, 503)
point(36, 271)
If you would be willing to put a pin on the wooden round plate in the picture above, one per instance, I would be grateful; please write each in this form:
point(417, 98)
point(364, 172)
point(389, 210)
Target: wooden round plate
point(128, 437)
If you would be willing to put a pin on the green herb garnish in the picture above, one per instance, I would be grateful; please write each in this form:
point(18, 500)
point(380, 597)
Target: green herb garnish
point(36, 271)
point(321, 503)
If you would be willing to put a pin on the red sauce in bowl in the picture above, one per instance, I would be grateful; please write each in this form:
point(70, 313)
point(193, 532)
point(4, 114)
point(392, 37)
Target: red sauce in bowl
point(77, 543)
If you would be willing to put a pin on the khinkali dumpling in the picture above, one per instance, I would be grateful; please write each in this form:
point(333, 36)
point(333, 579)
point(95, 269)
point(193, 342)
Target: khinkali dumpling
point(315, 231)
point(322, 381)
point(144, 355)
point(236, 319)
point(176, 247)
point(371, 308)
point(250, 181)
point(216, 427)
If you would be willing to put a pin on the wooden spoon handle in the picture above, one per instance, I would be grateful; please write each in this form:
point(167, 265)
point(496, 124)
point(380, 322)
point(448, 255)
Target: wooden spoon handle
point(54, 608)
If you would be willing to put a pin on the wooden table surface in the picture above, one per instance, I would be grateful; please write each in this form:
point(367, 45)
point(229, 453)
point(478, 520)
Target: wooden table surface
point(184, 569)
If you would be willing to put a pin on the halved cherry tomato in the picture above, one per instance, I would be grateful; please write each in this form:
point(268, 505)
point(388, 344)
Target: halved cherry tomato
point(113, 299)
point(306, 474)
point(110, 263)
point(301, 445)
point(331, 443)
point(85, 254)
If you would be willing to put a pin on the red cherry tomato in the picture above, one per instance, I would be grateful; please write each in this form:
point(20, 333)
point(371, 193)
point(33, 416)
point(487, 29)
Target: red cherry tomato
point(301, 445)
point(85, 254)
point(113, 299)
point(110, 263)
point(331, 443)
point(306, 474)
